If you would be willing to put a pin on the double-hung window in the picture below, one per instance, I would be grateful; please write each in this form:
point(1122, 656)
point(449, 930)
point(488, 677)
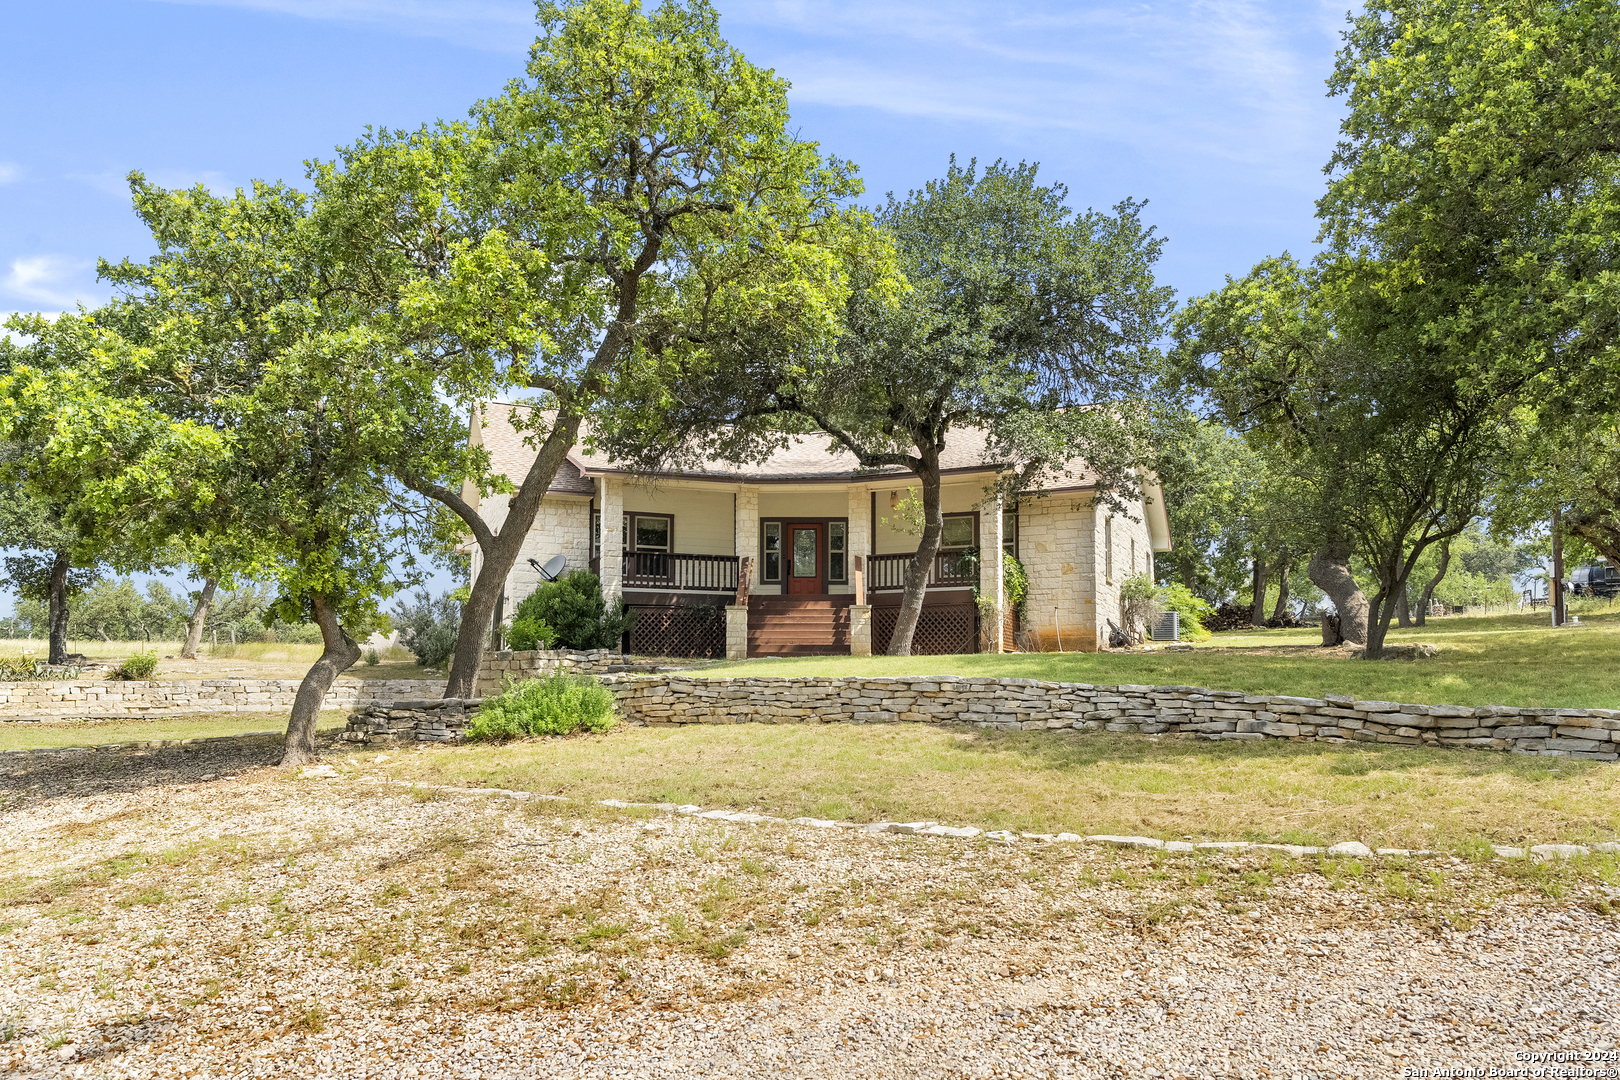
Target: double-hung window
point(772, 569)
point(837, 551)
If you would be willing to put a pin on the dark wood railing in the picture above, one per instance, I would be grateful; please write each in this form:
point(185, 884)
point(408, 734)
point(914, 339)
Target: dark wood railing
point(674, 570)
point(950, 571)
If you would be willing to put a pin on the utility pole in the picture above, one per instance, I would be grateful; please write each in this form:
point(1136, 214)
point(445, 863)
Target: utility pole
point(1555, 592)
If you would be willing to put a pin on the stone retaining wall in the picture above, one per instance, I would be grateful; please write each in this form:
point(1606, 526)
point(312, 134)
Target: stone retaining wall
point(421, 720)
point(537, 663)
point(96, 699)
point(1029, 704)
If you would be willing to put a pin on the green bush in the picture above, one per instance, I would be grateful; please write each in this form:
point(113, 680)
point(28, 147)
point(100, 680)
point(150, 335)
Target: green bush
point(28, 669)
point(1192, 609)
point(429, 628)
point(141, 665)
point(557, 705)
point(573, 610)
point(528, 632)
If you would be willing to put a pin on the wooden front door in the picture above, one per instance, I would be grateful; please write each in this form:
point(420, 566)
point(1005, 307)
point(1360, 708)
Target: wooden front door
point(805, 557)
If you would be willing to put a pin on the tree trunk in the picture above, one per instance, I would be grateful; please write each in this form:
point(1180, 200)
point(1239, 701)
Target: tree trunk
point(1403, 609)
point(1434, 583)
point(199, 616)
point(1280, 612)
point(1377, 625)
point(58, 608)
point(501, 551)
point(338, 655)
point(1257, 605)
point(911, 601)
point(1329, 570)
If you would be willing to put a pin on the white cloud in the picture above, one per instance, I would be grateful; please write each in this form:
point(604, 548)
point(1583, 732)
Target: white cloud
point(497, 25)
point(45, 279)
point(9, 172)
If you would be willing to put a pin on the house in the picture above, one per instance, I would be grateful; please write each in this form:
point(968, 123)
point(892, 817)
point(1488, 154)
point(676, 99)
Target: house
point(823, 549)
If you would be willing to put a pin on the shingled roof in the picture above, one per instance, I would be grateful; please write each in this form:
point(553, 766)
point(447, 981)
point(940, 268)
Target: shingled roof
point(806, 458)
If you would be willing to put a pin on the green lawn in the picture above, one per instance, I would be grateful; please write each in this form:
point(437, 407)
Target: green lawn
point(1058, 781)
point(1497, 660)
point(35, 736)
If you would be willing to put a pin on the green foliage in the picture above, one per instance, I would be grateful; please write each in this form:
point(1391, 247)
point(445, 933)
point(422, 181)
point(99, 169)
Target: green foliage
point(429, 627)
point(559, 704)
point(1193, 610)
point(530, 632)
point(372, 659)
point(1139, 604)
point(573, 610)
point(141, 665)
point(1014, 581)
point(31, 669)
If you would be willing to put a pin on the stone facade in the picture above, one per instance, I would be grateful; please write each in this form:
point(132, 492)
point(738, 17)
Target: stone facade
point(111, 698)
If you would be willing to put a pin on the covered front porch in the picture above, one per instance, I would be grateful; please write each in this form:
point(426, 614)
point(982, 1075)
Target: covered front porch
point(801, 576)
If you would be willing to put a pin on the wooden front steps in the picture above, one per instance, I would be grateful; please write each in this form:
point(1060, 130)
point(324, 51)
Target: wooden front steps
point(798, 625)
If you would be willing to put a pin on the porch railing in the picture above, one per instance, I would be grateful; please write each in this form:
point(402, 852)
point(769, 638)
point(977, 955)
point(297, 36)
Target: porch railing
point(674, 570)
point(950, 571)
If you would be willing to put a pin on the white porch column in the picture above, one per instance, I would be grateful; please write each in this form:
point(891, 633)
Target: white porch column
point(992, 585)
point(610, 494)
point(747, 528)
point(860, 523)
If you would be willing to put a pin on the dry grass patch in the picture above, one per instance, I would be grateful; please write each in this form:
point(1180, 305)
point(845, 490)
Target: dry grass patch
point(54, 733)
point(1165, 786)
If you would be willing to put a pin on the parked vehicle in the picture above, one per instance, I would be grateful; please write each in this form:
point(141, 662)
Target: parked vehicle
point(1598, 579)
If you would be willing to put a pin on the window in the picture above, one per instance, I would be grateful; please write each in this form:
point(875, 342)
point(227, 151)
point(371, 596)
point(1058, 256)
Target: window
point(596, 534)
point(958, 531)
point(772, 570)
point(1108, 549)
point(1009, 532)
point(837, 548)
point(652, 533)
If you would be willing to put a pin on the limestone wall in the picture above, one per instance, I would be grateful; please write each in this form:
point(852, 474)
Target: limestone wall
point(93, 699)
point(537, 663)
point(563, 527)
point(1028, 704)
point(1057, 545)
point(419, 720)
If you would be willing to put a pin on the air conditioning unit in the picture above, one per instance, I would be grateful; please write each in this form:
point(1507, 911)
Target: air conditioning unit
point(1168, 628)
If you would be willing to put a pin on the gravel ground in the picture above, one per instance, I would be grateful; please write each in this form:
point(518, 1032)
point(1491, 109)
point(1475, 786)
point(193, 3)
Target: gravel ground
point(197, 913)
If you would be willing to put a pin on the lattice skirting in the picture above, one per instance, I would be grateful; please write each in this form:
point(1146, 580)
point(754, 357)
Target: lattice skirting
point(942, 629)
point(688, 630)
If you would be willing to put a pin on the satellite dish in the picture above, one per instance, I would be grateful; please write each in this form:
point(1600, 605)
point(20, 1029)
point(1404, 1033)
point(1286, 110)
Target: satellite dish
point(553, 568)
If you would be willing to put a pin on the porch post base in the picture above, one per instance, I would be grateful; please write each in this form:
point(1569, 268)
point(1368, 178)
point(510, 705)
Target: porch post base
point(860, 630)
point(736, 632)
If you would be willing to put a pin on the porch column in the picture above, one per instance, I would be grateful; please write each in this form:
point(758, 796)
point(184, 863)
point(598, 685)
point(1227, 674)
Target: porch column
point(610, 493)
point(992, 586)
point(858, 541)
point(747, 529)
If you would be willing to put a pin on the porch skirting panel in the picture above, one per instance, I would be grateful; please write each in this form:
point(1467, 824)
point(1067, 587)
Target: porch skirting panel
point(691, 627)
point(946, 626)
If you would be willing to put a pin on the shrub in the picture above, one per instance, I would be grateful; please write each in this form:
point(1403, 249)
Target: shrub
point(557, 705)
point(141, 665)
point(572, 608)
point(372, 659)
point(429, 628)
point(1140, 602)
point(1193, 609)
point(530, 632)
point(28, 669)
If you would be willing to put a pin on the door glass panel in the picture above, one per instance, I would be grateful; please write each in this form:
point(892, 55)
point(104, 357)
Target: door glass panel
point(835, 551)
point(652, 533)
point(804, 553)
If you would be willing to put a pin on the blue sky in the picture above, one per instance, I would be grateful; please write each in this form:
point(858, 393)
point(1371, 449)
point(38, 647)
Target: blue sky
point(1212, 110)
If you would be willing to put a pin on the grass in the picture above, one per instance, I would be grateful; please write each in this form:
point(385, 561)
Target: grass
point(36, 736)
point(1496, 660)
point(1053, 781)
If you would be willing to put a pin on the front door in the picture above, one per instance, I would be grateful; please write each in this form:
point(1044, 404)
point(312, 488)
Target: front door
point(804, 559)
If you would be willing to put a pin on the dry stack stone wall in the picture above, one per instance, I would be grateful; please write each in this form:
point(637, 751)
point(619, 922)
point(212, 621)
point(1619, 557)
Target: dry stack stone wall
point(97, 699)
point(538, 663)
point(420, 720)
point(1028, 704)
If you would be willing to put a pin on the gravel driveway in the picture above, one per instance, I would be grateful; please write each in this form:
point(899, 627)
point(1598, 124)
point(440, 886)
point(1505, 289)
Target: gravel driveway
point(199, 913)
